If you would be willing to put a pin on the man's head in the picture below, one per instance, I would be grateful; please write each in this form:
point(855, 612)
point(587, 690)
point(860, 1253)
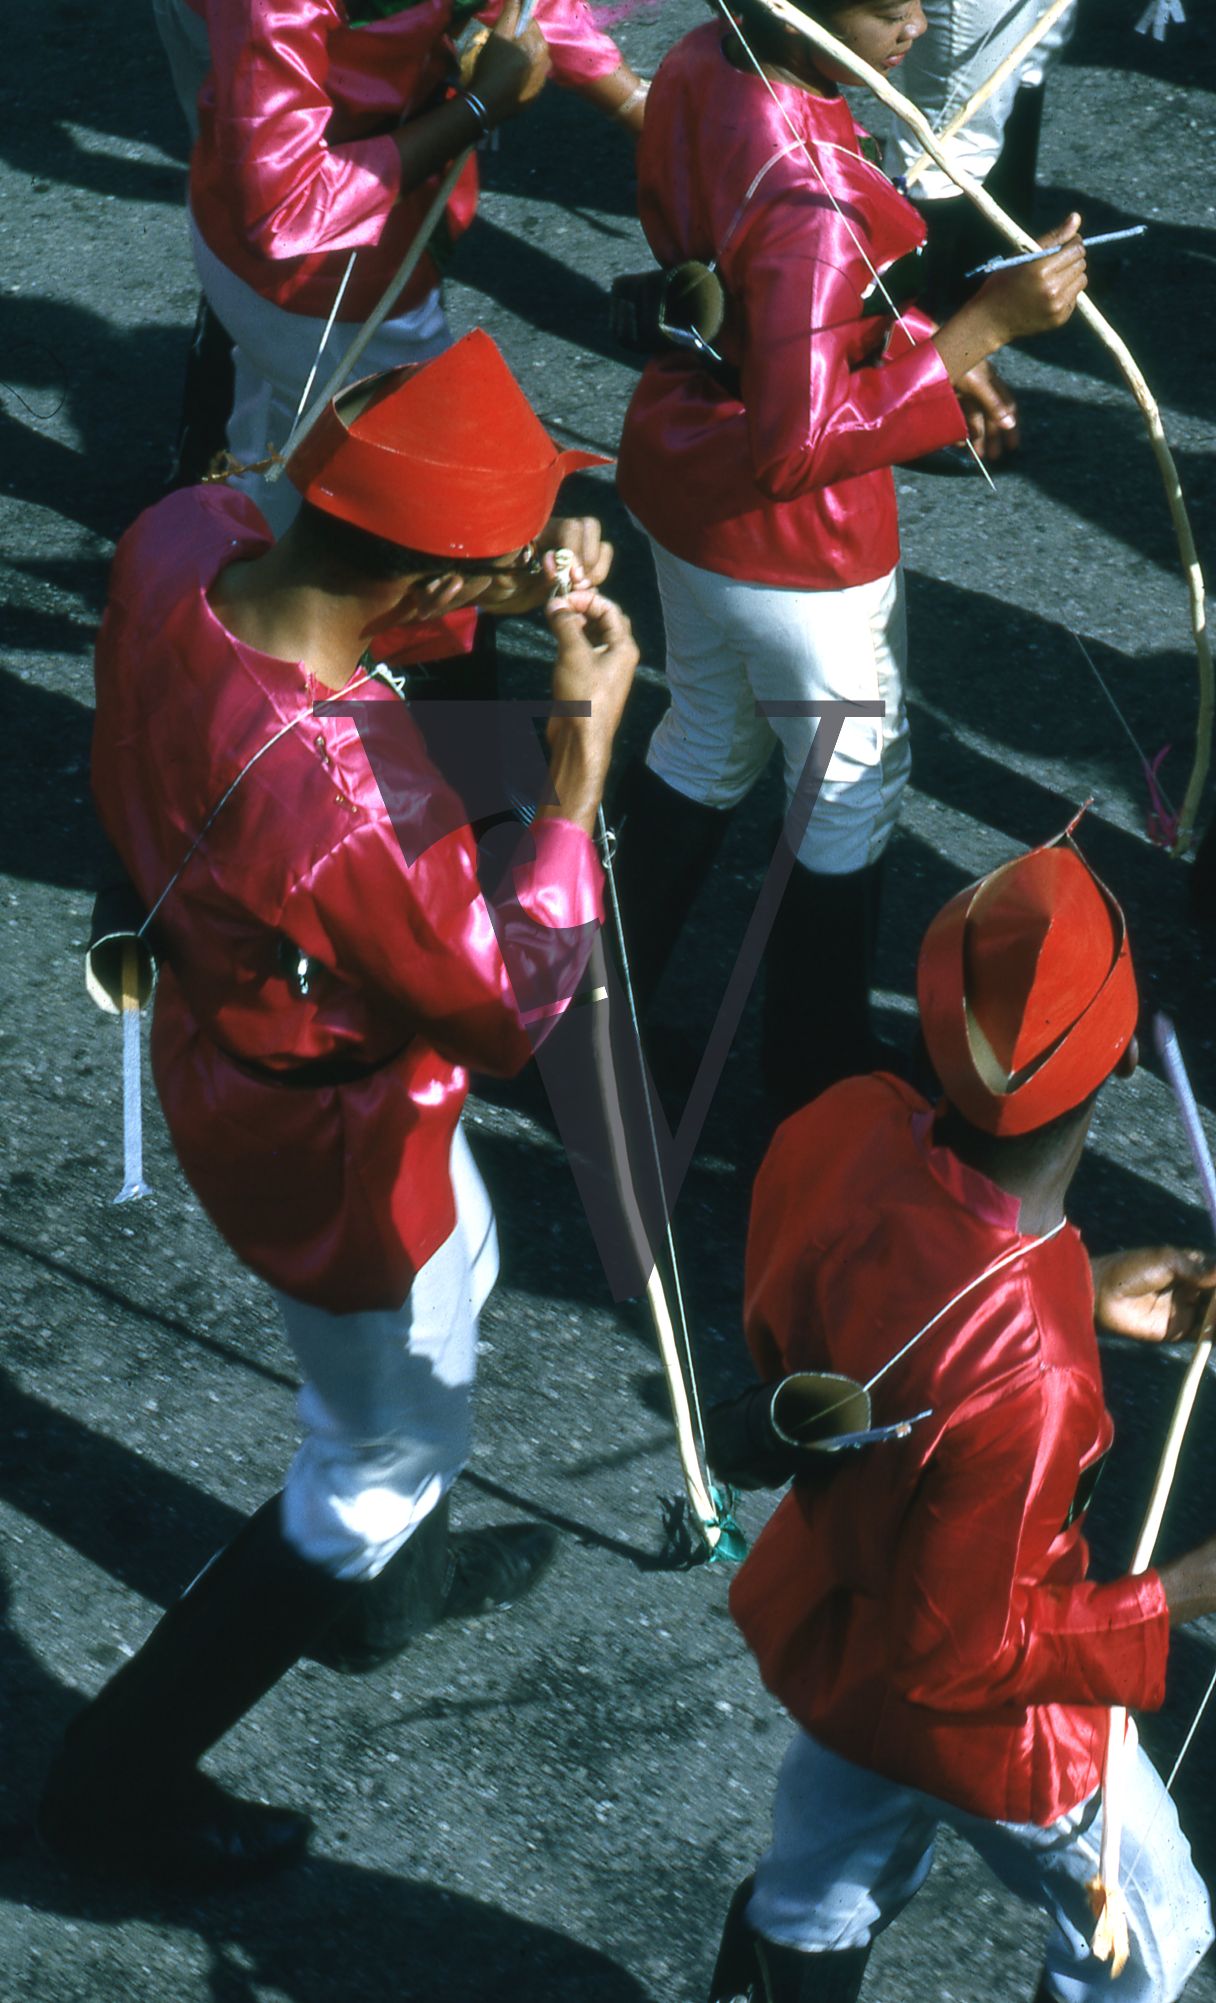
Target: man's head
point(880, 32)
point(439, 471)
point(1027, 995)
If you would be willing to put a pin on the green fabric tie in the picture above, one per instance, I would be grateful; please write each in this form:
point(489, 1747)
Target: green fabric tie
point(731, 1547)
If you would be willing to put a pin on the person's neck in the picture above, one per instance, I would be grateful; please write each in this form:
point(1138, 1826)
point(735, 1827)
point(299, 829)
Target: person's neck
point(809, 79)
point(1040, 1188)
point(270, 603)
point(1041, 1201)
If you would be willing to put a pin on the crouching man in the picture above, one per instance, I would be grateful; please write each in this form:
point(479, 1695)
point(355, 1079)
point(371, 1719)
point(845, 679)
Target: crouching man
point(925, 1612)
point(329, 970)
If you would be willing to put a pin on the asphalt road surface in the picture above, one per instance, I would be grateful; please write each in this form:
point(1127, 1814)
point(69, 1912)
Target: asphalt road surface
point(556, 1802)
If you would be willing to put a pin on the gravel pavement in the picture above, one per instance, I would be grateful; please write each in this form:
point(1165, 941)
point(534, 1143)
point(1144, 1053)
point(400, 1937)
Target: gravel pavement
point(553, 1803)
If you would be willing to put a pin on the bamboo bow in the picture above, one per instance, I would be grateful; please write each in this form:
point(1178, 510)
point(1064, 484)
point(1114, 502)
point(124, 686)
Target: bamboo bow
point(828, 45)
point(1110, 1941)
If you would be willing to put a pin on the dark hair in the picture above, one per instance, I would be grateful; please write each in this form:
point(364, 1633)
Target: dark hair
point(768, 37)
point(336, 548)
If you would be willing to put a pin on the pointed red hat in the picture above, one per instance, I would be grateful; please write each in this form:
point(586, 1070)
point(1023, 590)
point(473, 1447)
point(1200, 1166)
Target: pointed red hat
point(1026, 990)
point(447, 457)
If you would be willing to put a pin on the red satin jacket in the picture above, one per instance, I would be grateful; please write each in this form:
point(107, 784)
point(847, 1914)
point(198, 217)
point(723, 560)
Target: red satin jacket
point(783, 477)
point(337, 1193)
point(928, 1615)
point(295, 165)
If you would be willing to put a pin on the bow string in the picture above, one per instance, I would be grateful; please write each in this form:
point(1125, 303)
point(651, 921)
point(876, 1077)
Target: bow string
point(910, 114)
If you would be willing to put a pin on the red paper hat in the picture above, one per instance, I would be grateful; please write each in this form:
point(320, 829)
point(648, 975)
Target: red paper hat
point(1026, 990)
point(446, 457)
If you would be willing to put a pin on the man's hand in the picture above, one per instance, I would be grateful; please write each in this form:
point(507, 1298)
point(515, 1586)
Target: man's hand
point(1037, 298)
point(1022, 300)
point(583, 536)
point(1159, 1294)
point(991, 413)
point(596, 657)
point(511, 68)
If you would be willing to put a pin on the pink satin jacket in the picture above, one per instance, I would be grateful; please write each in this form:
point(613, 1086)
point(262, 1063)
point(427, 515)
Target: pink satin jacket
point(781, 474)
point(928, 1614)
point(295, 165)
point(336, 1193)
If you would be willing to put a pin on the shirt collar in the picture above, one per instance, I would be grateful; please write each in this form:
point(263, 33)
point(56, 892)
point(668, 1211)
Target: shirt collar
point(974, 1191)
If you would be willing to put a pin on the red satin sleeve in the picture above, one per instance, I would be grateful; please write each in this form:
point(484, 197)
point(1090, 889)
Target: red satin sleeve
point(580, 52)
point(912, 328)
point(481, 985)
point(291, 193)
point(822, 403)
point(989, 1607)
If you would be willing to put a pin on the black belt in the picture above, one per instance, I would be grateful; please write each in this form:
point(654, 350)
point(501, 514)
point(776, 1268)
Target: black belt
point(312, 1074)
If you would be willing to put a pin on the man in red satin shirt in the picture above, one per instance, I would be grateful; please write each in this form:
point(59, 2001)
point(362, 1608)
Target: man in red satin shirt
point(330, 970)
point(926, 1613)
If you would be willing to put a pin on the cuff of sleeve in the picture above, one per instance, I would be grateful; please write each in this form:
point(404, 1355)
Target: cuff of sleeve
point(561, 883)
point(1154, 1611)
point(581, 52)
point(910, 331)
point(1132, 1640)
point(927, 413)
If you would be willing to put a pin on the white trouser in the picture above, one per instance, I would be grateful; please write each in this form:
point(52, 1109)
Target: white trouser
point(731, 645)
point(850, 1849)
point(386, 1398)
point(966, 41)
point(188, 49)
point(273, 353)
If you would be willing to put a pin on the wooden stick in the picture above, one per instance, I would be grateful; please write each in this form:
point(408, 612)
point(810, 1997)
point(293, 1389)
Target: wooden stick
point(696, 1482)
point(911, 115)
point(1003, 71)
point(379, 313)
point(1110, 1941)
point(686, 1439)
point(1143, 1556)
point(407, 267)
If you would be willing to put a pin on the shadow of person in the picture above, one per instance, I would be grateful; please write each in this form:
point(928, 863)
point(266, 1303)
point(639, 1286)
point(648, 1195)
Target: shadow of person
point(69, 382)
point(327, 1930)
point(332, 1930)
point(1186, 54)
point(1144, 289)
point(48, 830)
point(37, 1708)
point(79, 125)
point(597, 181)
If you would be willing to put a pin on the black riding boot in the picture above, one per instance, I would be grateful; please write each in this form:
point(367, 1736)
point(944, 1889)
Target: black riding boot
point(124, 1793)
point(666, 846)
point(818, 966)
point(434, 1577)
point(750, 1969)
point(1012, 180)
point(206, 400)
